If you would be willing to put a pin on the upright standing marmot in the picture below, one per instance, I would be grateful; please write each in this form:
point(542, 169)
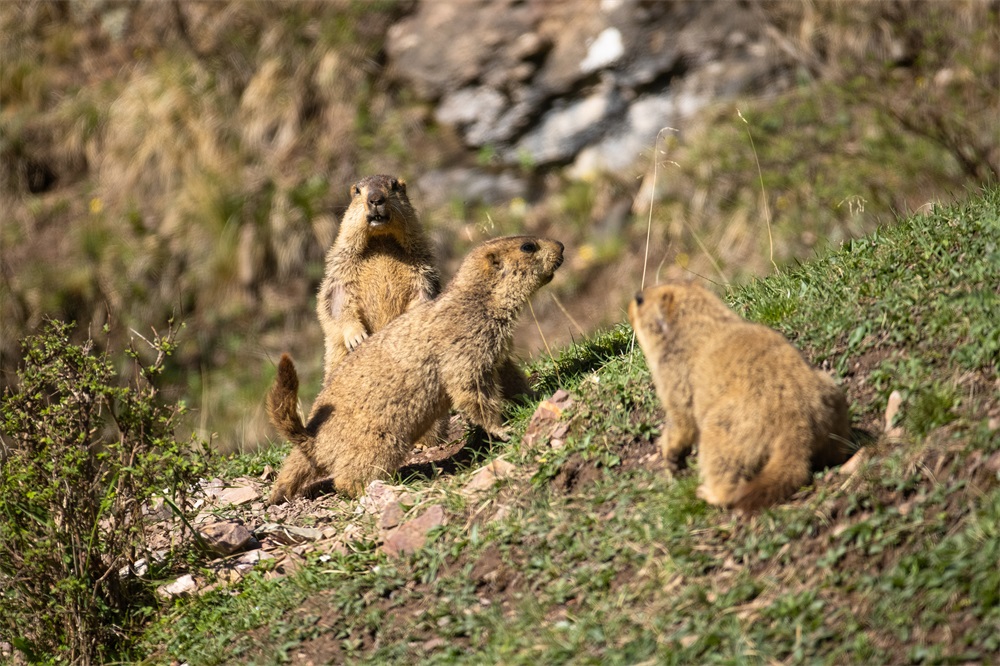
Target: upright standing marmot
point(380, 266)
point(450, 352)
point(762, 418)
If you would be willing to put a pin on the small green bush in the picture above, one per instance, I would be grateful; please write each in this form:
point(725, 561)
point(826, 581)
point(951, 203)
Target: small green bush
point(82, 457)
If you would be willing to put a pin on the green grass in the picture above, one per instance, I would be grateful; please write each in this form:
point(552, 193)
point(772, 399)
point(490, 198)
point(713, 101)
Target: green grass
point(603, 559)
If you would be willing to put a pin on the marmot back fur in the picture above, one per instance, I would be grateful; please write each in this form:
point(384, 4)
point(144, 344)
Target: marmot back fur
point(762, 418)
point(451, 352)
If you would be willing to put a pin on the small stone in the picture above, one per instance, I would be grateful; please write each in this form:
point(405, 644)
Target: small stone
point(548, 411)
point(891, 412)
point(854, 462)
point(378, 495)
point(213, 487)
point(434, 643)
point(412, 535)
point(226, 537)
point(288, 534)
point(238, 496)
point(255, 556)
point(182, 586)
point(502, 512)
point(267, 474)
point(485, 477)
point(353, 532)
point(391, 516)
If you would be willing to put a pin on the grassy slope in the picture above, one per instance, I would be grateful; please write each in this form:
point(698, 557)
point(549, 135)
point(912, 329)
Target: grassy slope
point(602, 559)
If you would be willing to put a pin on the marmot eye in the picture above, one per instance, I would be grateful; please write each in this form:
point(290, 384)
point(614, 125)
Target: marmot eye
point(529, 247)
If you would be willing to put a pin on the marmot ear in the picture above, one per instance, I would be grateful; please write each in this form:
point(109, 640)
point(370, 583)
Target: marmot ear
point(400, 185)
point(492, 260)
point(665, 309)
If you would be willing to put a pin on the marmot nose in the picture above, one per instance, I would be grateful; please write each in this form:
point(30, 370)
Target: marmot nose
point(376, 198)
point(638, 298)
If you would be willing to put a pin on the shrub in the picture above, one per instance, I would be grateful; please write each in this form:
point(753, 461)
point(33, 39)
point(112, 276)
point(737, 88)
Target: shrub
point(83, 456)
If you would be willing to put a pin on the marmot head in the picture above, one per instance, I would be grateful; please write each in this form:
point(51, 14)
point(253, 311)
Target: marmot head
point(381, 203)
point(650, 313)
point(656, 311)
point(511, 269)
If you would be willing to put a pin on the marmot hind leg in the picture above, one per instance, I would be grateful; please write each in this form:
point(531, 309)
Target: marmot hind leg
point(297, 472)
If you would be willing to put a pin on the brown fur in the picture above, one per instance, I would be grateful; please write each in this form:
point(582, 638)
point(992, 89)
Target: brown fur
point(451, 352)
point(379, 267)
point(761, 417)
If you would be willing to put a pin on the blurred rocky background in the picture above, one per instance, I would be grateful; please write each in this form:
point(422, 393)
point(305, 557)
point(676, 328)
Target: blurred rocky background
point(191, 159)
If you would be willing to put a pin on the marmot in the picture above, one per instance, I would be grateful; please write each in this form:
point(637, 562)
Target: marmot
point(763, 419)
point(451, 352)
point(380, 266)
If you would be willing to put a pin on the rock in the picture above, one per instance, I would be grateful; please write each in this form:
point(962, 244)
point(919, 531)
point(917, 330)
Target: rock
point(485, 477)
point(471, 186)
point(237, 496)
point(212, 487)
point(391, 516)
point(558, 438)
point(474, 110)
point(544, 81)
point(412, 535)
point(287, 564)
point(502, 512)
point(253, 557)
point(891, 412)
point(267, 474)
point(378, 495)
point(478, 41)
point(854, 462)
point(433, 644)
point(158, 510)
point(993, 463)
point(633, 138)
point(184, 585)
point(288, 534)
point(569, 127)
point(542, 423)
point(605, 50)
point(227, 537)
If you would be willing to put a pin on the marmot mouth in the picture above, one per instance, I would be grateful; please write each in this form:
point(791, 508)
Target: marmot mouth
point(375, 219)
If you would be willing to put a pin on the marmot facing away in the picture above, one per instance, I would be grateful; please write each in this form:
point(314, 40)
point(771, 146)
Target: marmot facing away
point(379, 267)
point(763, 419)
point(450, 352)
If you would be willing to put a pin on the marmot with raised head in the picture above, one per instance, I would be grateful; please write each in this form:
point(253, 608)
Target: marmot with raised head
point(380, 266)
point(451, 352)
point(762, 418)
